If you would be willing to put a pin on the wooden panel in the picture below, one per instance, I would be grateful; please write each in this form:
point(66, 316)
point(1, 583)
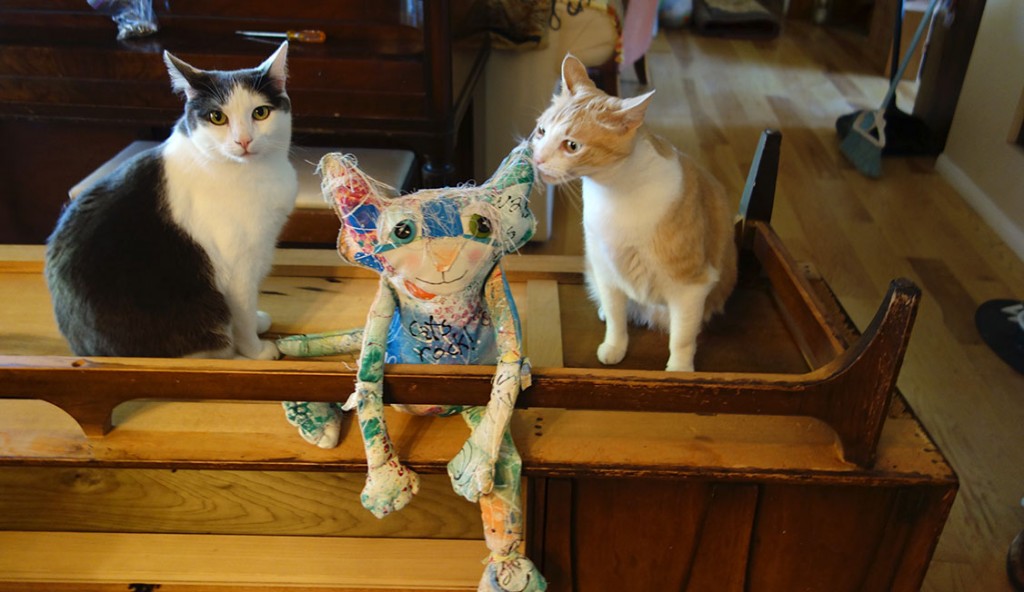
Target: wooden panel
point(223, 502)
point(640, 545)
point(844, 537)
point(722, 555)
point(945, 67)
point(542, 328)
point(91, 558)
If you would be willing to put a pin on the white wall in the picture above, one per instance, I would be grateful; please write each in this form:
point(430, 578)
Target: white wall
point(979, 160)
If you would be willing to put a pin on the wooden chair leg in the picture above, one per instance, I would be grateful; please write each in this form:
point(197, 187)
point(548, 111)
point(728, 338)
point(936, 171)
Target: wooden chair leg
point(640, 67)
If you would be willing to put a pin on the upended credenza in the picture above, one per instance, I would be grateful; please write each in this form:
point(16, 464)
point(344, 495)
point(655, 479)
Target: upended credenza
point(789, 461)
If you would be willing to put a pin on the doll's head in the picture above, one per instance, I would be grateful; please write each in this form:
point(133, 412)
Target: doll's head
point(435, 241)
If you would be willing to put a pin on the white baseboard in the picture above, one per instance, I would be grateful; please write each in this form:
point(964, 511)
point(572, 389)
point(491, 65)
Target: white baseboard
point(982, 203)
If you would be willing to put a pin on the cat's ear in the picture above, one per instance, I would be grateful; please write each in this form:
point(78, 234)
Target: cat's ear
point(276, 67)
point(631, 111)
point(574, 75)
point(182, 74)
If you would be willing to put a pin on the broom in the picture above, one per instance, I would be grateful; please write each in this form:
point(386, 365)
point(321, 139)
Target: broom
point(865, 140)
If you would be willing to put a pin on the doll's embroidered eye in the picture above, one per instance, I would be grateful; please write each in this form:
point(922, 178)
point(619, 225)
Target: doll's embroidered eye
point(403, 232)
point(217, 118)
point(571, 146)
point(260, 113)
point(480, 226)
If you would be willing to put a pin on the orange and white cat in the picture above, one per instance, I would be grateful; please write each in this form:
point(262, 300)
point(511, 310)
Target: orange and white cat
point(658, 229)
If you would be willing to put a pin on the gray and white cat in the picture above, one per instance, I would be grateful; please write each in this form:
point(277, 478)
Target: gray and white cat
point(164, 257)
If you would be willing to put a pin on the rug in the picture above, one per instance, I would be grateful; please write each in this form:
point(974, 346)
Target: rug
point(742, 19)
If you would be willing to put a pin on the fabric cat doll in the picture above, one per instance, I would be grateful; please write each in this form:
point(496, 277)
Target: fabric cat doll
point(442, 299)
point(658, 229)
point(164, 257)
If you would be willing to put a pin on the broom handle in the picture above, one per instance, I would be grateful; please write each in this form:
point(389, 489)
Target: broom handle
point(925, 20)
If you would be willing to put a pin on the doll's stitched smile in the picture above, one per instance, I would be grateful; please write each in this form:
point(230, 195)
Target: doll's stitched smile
point(443, 281)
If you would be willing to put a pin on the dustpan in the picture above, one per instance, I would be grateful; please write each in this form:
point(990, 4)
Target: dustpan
point(905, 134)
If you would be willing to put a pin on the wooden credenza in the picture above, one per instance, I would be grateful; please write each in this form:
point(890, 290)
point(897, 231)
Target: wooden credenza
point(789, 461)
point(392, 74)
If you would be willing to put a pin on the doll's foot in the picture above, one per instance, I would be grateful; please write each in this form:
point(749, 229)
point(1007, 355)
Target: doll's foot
point(318, 423)
point(389, 488)
point(511, 573)
point(472, 471)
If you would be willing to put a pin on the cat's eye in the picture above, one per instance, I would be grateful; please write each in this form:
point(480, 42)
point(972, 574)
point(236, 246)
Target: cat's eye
point(260, 113)
point(570, 146)
point(217, 118)
point(403, 232)
point(540, 131)
point(480, 226)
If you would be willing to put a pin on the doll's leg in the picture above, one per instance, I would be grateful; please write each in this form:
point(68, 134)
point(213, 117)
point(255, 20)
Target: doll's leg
point(390, 485)
point(319, 423)
point(472, 469)
point(501, 509)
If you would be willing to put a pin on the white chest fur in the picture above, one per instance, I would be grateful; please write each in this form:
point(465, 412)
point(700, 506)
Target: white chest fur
point(623, 210)
point(233, 210)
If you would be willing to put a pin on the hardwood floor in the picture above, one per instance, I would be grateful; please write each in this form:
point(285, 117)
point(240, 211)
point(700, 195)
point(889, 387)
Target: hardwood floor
point(714, 98)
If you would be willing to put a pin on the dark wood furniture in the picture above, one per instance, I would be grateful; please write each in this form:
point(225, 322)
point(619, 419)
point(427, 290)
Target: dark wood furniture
point(789, 461)
point(71, 95)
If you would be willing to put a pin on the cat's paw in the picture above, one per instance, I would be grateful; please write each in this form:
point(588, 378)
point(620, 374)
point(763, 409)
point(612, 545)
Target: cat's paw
point(679, 365)
point(268, 350)
point(609, 353)
point(512, 573)
point(681, 360)
point(472, 471)
point(263, 322)
point(318, 423)
point(264, 349)
point(389, 488)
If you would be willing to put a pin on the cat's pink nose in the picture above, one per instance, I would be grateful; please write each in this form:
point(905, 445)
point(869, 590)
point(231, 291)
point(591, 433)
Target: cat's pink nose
point(244, 143)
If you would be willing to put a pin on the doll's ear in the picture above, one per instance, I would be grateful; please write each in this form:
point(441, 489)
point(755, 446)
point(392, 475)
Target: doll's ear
point(516, 169)
point(510, 188)
point(356, 200)
point(345, 187)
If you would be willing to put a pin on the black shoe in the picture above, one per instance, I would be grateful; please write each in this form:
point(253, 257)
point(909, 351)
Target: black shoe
point(999, 324)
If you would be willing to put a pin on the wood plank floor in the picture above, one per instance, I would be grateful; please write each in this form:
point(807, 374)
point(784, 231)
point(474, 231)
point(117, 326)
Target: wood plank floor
point(714, 98)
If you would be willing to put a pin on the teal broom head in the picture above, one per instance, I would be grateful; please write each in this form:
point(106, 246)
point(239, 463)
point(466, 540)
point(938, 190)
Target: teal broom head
point(863, 145)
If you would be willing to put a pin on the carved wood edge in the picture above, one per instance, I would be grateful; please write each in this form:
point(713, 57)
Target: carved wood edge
point(851, 394)
point(850, 389)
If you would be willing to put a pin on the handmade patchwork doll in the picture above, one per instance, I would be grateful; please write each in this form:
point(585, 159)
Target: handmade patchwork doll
point(442, 299)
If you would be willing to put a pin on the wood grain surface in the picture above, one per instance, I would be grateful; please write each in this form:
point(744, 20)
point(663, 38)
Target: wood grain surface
point(714, 96)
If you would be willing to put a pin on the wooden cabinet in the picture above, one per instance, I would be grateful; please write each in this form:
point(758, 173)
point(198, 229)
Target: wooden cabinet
point(788, 462)
point(391, 74)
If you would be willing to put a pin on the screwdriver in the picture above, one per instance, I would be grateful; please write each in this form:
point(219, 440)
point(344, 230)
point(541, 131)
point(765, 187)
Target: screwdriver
point(303, 36)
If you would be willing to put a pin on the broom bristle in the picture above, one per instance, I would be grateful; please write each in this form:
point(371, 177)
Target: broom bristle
point(862, 148)
point(864, 155)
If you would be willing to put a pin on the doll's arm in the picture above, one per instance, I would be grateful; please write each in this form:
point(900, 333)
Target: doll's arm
point(472, 470)
point(331, 343)
point(389, 484)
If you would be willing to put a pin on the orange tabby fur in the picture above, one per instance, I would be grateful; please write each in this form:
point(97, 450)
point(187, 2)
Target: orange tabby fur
point(658, 228)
